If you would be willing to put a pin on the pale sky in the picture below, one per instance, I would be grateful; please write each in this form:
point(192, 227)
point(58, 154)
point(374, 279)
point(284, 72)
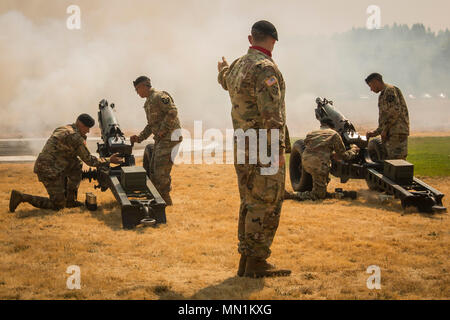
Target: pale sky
point(306, 17)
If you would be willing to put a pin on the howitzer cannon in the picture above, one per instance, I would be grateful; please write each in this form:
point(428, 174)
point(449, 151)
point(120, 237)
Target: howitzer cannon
point(140, 202)
point(395, 177)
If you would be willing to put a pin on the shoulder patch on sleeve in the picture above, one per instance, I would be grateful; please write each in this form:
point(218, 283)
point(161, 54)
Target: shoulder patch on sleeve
point(165, 100)
point(271, 81)
point(166, 97)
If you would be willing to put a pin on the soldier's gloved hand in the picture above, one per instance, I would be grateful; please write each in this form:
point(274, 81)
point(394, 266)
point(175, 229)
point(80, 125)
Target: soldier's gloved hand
point(355, 151)
point(223, 64)
point(116, 159)
point(134, 139)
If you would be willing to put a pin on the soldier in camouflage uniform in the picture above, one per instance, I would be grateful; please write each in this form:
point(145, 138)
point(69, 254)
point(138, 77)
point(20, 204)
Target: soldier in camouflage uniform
point(393, 120)
point(58, 167)
point(162, 117)
point(319, 148)
point(256, 88)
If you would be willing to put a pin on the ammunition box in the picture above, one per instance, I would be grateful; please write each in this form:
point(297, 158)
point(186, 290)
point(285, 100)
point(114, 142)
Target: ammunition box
point(133, 178)
point(91, 201)
point(399, 171)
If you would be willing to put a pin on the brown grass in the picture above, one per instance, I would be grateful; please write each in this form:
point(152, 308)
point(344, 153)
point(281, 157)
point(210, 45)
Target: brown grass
point(328, 245)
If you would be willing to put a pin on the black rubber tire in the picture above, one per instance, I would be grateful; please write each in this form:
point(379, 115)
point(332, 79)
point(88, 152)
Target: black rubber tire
point(148, 152)
point(376, 154)
point(300, 179)
point(376, 150)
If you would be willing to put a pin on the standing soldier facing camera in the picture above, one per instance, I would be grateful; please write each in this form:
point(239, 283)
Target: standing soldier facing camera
point(162, 117)
point(393, 119)
point(256, 88)
point(58, 167)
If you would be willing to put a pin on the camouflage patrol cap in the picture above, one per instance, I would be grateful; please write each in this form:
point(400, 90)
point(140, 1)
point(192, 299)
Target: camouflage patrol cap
point(86, 119)
point(267, 28)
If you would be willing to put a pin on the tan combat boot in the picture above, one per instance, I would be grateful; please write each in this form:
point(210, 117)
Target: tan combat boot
point(257, 268)
point(168, 200)
point(71, 200)
point(242, 264)
point(289, 195)
point(15, 199)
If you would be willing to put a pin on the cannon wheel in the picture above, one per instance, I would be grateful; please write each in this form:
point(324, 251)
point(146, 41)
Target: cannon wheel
point(376, 154)
point(376, 150)
point(148, 152)
point(300, 179)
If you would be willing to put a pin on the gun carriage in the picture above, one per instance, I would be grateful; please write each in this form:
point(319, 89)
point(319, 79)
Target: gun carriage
point(395, 177)
point(140, 201)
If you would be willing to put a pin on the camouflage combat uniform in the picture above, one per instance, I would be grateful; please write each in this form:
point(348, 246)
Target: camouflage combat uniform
point(162, 117)
point(394, 121)
point(256, 88)
point(319, 145)
point(58, 167)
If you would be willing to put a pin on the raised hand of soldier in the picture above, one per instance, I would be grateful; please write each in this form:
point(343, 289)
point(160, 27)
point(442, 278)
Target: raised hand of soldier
point(134, 139)
point(116, 159)
point(223, 64)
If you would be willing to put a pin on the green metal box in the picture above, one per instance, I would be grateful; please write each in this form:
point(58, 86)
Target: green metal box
point(133, 178)
point(399, 171)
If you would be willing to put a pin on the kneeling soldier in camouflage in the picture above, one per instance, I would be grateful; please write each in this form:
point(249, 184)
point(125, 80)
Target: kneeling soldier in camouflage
point(319, 147)
point(58, 167)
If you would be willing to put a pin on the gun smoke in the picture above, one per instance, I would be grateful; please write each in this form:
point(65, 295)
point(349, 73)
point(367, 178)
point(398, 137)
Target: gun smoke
point(51, 74)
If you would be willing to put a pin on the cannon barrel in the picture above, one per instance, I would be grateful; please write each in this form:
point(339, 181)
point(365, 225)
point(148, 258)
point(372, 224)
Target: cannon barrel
point(112, 136)
point(326, 112)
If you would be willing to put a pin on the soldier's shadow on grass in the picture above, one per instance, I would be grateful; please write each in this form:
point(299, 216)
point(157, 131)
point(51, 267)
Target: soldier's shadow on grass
point(110, 214)
point(368, 199)
point(39, 213)
point(232, 288)
point(365, 203)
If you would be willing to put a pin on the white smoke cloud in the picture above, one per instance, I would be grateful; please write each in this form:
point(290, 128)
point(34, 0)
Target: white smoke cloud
point(51, 74)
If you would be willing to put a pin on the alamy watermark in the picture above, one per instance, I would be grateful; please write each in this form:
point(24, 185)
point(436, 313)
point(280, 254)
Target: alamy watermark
point(73, 22)
point(252, 146)
point(74, 281)
point(374, 281)
point(374, 20)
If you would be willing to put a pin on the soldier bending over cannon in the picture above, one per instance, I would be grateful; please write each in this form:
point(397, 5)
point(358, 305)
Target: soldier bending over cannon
point(393, 121)
point(319, 148)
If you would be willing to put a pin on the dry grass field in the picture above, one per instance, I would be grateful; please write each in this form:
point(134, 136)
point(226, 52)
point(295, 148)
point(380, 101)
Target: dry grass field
point(328, 245)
